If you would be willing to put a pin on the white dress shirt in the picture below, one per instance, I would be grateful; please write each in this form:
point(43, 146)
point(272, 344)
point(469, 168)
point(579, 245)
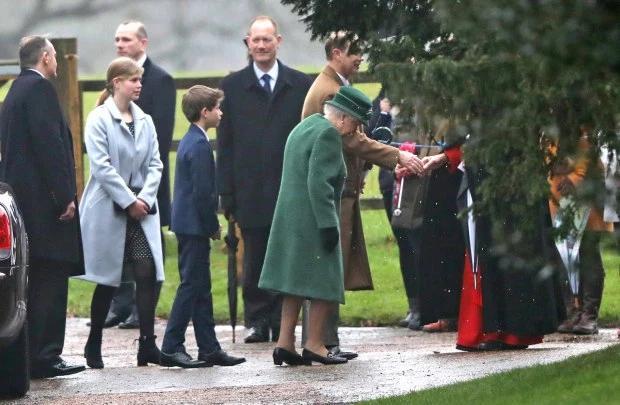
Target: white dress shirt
point(273, 72)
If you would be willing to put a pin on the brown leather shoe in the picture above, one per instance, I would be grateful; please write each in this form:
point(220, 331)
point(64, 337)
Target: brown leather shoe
point(442, 325)
point(572, 319)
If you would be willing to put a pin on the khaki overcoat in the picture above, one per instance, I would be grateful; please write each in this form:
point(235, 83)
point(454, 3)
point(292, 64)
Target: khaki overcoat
point(296, 263)
point(357, 148)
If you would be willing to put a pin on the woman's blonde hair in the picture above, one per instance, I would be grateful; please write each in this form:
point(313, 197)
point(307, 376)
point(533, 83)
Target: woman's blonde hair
point(122, 67)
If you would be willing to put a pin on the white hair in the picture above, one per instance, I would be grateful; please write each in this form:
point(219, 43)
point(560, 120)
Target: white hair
point(332, 112)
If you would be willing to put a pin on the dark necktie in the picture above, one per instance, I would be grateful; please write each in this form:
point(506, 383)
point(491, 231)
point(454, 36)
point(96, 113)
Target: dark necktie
point(266, 84)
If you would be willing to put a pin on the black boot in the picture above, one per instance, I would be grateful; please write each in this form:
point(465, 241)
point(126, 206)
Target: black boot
point(148, 351)
point(414, 319)
point(92, 351)
point(403, 323)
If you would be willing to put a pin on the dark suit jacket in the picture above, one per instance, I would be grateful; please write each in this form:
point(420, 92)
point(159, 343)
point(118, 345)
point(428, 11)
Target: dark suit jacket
point(195, 194)
point(158, 99)
point(251, 139)
point(37, 161)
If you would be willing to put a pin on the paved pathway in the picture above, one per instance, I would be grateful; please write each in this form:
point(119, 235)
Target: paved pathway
point(392, 361)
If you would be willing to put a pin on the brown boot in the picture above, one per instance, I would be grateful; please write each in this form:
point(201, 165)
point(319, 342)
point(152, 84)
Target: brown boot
point(572, 319)
point(587, 325)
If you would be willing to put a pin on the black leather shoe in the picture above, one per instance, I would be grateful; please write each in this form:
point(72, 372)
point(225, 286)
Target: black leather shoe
point(281, 355)
point(335, 350)
point(329, 359)
point(469, 348)
point(112, 320)
point(55, 370)
point(130, 323)
point(257, 335)
point(179, 359)
point(403, 323)
point(499, 345)
point(220, 358)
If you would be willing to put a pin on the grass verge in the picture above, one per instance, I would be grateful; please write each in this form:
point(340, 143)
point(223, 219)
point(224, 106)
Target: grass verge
point(586, 379)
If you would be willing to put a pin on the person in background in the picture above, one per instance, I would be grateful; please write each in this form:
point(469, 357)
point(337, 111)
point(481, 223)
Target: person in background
point(120, 225)
point(506, 302)
point(568, 179)
point(157, 99)
point(262, 105)
point(37, 162)
point(195, 223)
point(382, 117)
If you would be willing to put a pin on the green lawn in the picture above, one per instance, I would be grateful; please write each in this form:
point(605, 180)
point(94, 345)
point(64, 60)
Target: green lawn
point(587, 379)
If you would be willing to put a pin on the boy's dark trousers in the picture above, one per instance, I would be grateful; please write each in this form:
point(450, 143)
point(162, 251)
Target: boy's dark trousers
point(193, 299)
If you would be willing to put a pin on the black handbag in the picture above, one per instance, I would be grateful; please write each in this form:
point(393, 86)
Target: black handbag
point(136, 191)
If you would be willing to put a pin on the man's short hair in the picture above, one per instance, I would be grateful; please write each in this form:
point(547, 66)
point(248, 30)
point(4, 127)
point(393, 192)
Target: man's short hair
point(138, 27)
point(197, 98)
point(345, 41)
point(30, 50)
point(267, 18)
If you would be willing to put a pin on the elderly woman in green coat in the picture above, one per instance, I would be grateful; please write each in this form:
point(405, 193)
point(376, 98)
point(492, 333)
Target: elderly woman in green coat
point(303, 259)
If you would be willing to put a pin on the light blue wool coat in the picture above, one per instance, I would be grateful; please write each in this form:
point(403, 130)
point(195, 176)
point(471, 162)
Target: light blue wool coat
point(116, 158)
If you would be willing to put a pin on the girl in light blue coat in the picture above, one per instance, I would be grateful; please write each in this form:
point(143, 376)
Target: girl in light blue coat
point(120, 223)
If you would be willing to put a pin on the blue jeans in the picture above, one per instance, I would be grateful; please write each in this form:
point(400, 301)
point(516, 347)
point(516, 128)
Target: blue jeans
point(193, 299)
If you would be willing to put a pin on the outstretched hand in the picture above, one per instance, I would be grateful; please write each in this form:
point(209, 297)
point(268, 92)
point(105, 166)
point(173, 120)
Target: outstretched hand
point(431, 163)
point(411, 162)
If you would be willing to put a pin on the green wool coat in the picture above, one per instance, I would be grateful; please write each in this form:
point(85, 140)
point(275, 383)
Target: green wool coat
point(309, 200)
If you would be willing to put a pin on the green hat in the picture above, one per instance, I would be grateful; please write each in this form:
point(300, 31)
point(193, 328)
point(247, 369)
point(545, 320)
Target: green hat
point(353, 102)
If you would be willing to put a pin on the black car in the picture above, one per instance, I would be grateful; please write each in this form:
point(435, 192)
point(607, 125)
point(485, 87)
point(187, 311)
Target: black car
point(14, 367)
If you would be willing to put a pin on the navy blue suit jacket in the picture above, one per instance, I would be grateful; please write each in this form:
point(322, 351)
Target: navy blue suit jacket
point(194, 208)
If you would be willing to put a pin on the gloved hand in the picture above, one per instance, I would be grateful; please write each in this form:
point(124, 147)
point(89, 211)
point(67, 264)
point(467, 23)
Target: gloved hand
point(330, 238)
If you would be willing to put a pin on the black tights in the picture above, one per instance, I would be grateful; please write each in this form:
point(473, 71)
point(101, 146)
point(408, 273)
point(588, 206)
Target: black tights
point(146, 295)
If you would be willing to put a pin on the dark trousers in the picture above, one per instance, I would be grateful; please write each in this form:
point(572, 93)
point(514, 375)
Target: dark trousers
point(405, 239)
point(193, 299)
point(261, 308)
point(47, 310)
point(591, 274)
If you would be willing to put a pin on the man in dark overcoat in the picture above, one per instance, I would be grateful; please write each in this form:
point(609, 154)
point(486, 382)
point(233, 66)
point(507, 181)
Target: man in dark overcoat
point(157, 99)
point(37, 162)
point(262, 105)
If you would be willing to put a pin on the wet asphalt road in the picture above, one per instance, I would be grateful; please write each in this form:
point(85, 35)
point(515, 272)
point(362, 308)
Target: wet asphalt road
point(392, 361)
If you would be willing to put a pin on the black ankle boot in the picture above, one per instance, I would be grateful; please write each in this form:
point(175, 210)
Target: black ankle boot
point(148, 351)
point(92, 351)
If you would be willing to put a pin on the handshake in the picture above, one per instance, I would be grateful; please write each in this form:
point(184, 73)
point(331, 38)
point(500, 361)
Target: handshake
point(410, 164)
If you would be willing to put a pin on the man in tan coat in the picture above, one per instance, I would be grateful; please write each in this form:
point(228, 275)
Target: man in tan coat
point(344, 55)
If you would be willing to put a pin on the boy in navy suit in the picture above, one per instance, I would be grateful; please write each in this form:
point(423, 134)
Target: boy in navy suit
point(194, 220)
